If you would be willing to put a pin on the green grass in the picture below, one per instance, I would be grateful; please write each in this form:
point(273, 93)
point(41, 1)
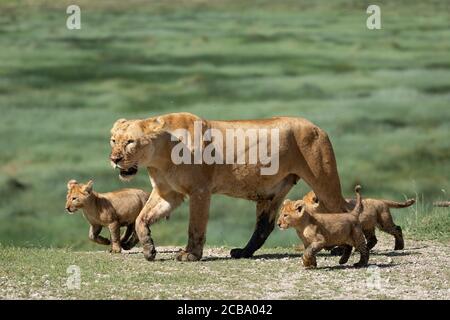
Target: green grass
point(383, 96)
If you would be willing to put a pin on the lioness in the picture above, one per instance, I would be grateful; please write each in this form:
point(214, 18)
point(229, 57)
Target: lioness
point(112, 210)
point(375, 214)
point(319, 230)
point(304, 152)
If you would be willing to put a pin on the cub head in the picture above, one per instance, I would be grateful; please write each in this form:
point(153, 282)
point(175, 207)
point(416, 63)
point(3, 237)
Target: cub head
point(77, 195)
point(131, 144)
point(291, 213)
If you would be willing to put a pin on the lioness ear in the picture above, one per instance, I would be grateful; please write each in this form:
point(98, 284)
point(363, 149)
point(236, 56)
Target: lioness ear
point(88, 186)
point(117, 123)
point(151, 128)
point(71, 183)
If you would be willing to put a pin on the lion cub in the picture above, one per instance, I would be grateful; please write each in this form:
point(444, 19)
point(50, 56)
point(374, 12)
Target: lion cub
point(112, 210)
point(375, 214)
point(320, 230)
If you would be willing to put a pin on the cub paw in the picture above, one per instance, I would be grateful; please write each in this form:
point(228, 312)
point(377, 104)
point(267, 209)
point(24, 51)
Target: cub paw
point(186, 256)
point(115, 249)
point(309, 263)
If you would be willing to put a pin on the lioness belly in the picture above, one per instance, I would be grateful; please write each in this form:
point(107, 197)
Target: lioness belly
point(244, 181)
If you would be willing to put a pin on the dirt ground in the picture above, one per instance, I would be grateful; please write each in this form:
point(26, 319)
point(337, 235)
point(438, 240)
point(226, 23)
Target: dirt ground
point(421, 271)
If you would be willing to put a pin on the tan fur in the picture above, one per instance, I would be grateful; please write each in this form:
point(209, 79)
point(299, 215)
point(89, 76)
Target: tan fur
point(376, 214)
point(305, 153)
point(113, 210)
point(319, 230)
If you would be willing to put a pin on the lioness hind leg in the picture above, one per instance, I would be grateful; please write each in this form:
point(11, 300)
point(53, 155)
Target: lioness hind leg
point(318, 168)
point(266, 211)
point(346, 254)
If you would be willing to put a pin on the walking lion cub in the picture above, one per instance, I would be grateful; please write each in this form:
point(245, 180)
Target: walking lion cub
point(320, 230)
point(375, 214)
point(113, 210)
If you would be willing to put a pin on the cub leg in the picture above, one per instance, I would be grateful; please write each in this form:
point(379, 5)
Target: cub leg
point(94, 235)
point(387, 225)
point(360, 245)
point(346, 255)
point(371, 238)
point(132, 241)
point(126, 236)
point(309, 257)
point(114, 229)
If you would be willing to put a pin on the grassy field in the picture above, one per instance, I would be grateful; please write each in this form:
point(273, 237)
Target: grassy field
point(276, 273)
point(383, 96)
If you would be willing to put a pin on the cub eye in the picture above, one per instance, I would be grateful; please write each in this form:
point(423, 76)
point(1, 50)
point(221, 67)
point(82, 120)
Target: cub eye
point(130, 141)
point(74, 198)
point(113, 140)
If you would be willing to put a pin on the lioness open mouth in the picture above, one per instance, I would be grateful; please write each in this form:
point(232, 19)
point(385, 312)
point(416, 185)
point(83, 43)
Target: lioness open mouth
point(128, 173)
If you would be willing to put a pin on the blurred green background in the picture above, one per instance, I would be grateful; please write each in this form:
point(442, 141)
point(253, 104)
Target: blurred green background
point(383, 96)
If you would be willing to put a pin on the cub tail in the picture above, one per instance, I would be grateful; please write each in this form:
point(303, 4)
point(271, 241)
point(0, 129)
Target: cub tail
point(394, 204)
point(359, 207)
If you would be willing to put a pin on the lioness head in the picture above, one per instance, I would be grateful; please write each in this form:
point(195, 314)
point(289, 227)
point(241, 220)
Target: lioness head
point(131, 144)
point(77, 195)
point(290, 213)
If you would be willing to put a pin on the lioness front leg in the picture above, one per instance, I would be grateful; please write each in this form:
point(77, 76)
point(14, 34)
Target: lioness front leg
point(94, 235)
point(114, 229)
point(157, 207)
point(198, 219)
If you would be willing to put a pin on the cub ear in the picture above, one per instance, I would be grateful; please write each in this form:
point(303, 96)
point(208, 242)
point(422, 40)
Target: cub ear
point(71, 183)
point(88, 186)
point(286, 201)
point(298, 205)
